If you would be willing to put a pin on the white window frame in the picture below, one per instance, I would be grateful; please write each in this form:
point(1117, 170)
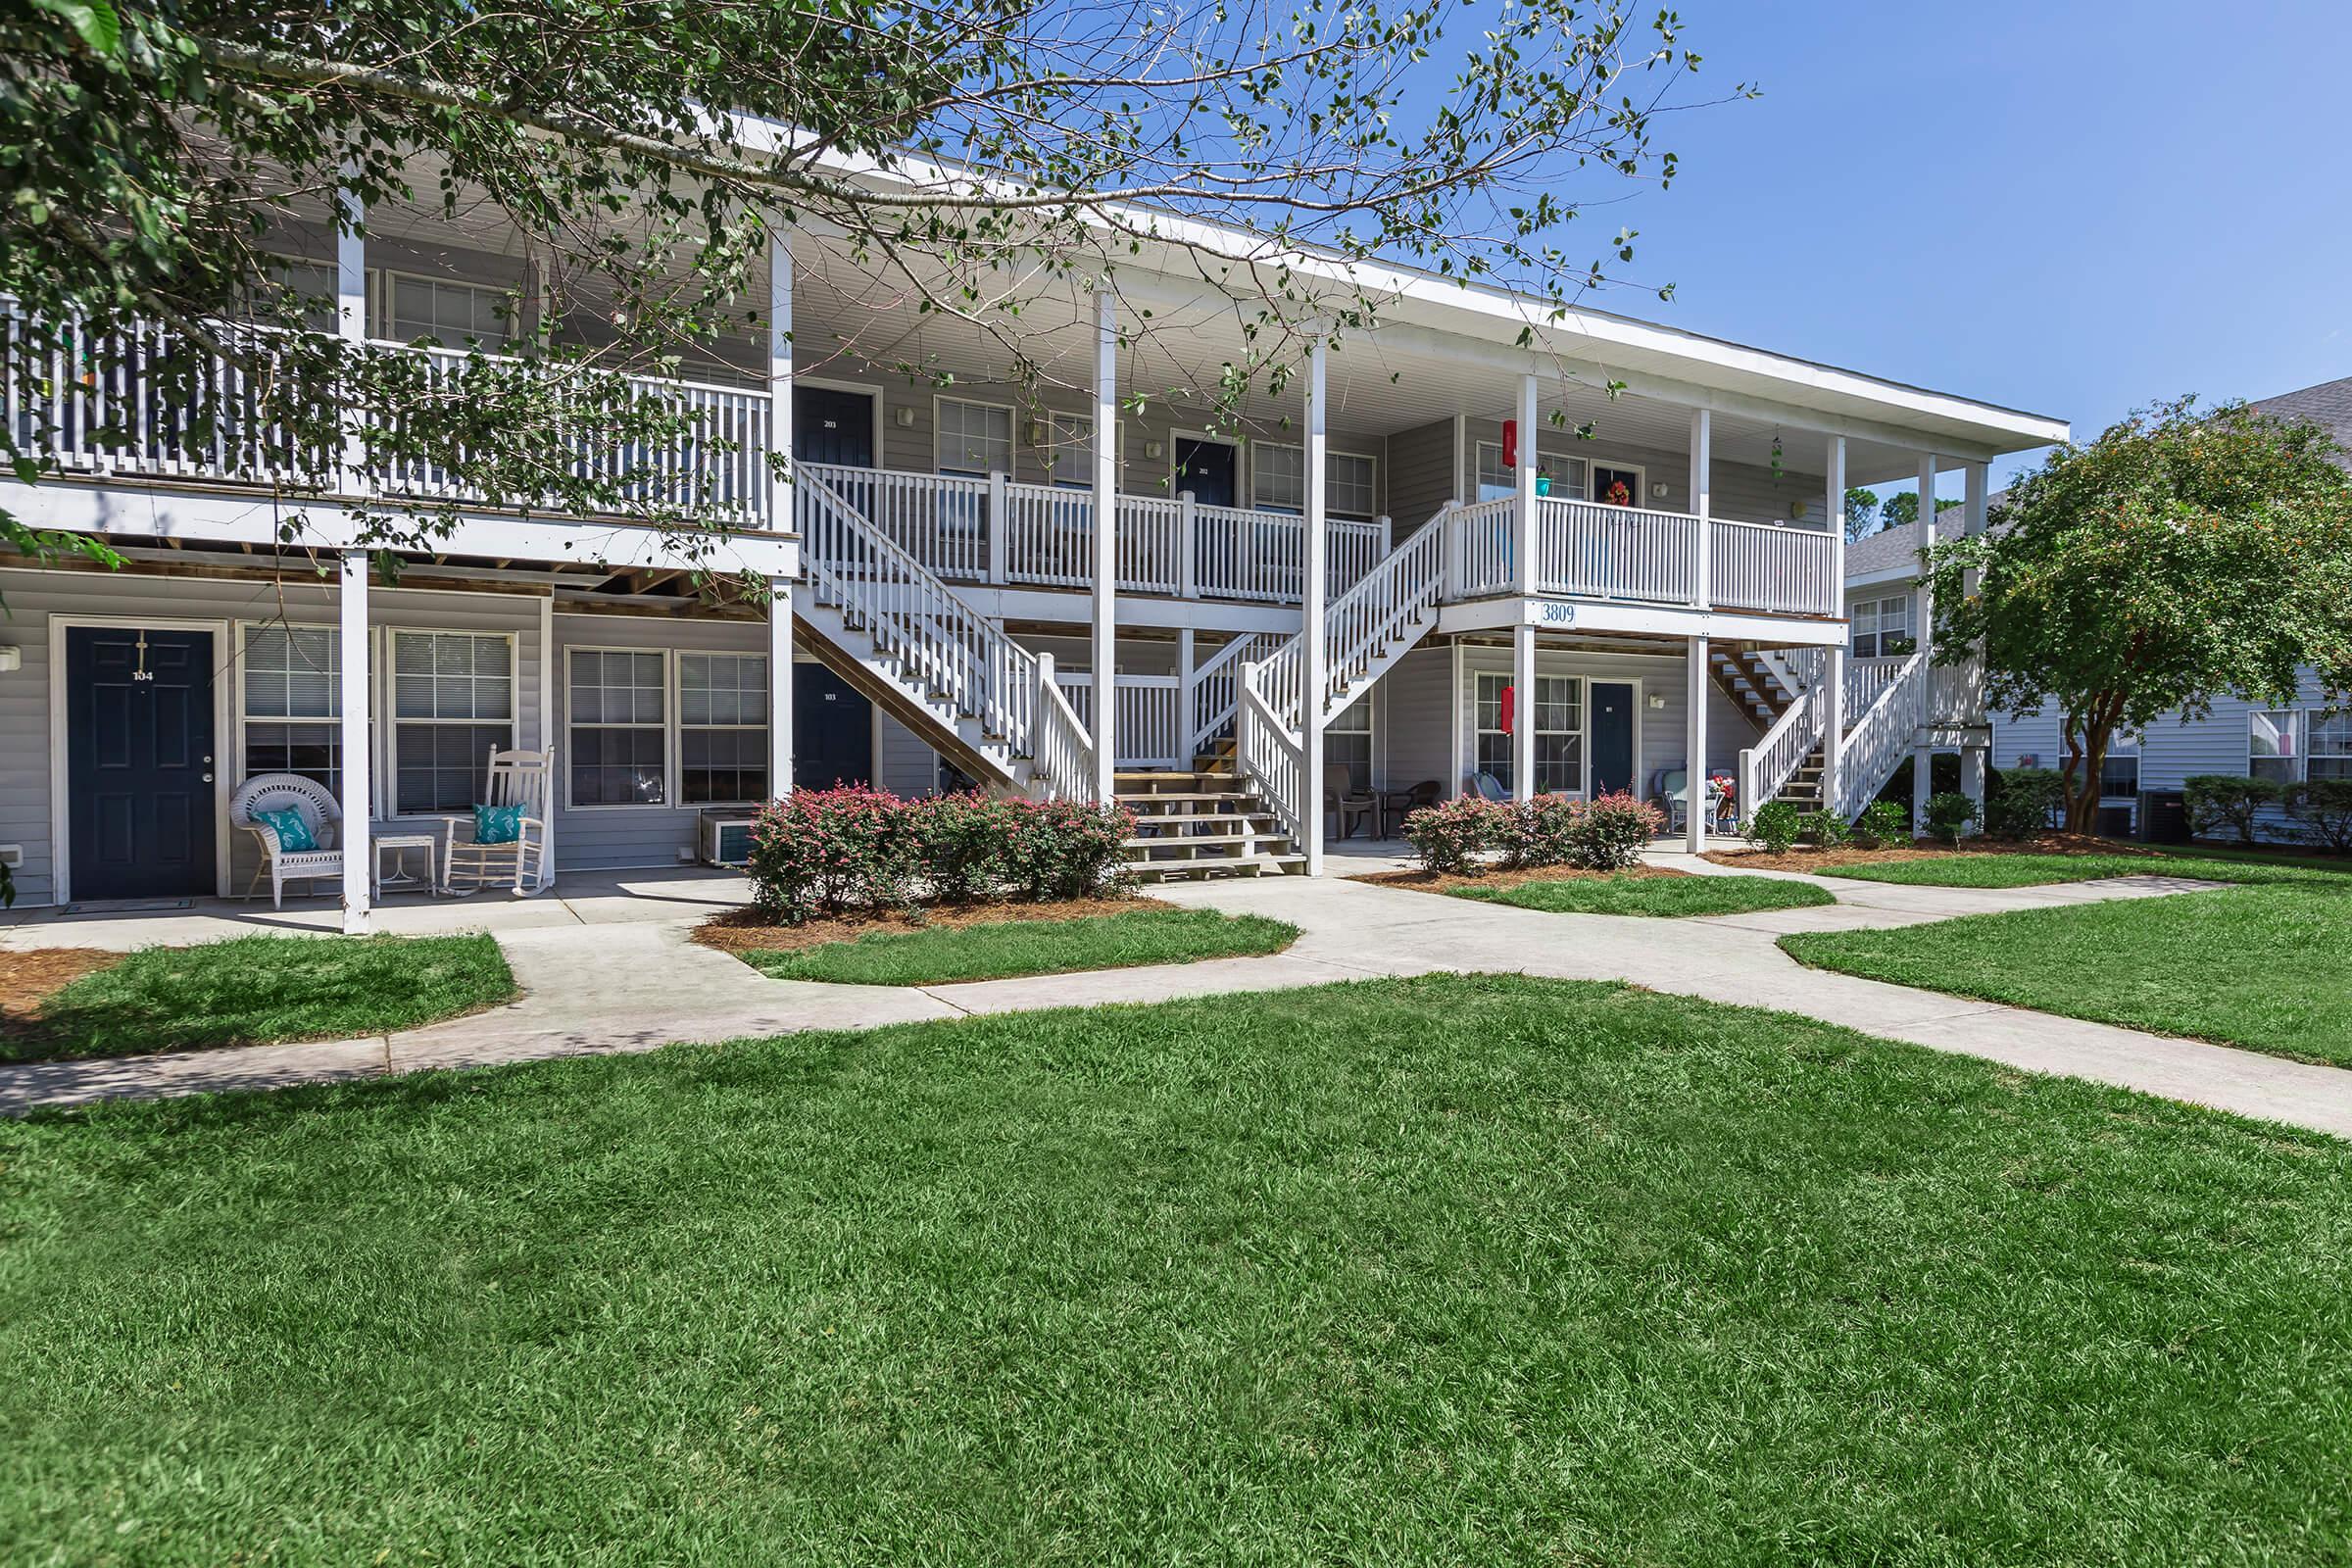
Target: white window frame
point(1508, 486)
point(2294, 755)
point(679, 726)
point(2120, 745)
point(1581, 733)
point(1879, 624)
point(1257, 453)
point(332, 719)
point(2316, 719)
point(1369, 731)
point(1066, 432)
point(389, 723)
point(388, 279)
point(1330, 456)
point(668, 726)
point(1012, 434)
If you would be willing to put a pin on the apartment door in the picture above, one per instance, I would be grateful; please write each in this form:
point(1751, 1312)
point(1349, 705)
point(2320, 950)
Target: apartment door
point(1208, 469)
point(1612, 737)
point(139, 762)
point(834, 426)
point(832, 730)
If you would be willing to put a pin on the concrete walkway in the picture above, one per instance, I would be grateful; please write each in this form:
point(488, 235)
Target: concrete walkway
point(634, 984)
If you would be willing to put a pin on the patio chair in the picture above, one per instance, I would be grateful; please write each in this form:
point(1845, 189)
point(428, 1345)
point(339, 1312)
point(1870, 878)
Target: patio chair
point(1397, 804)
point(314, 804)
point(1345, 807)
point(1673, 794)
point(514, 779)
point(1486, 787)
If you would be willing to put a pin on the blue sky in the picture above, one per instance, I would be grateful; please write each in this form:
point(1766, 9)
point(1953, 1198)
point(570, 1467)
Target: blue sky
point(2072, 208)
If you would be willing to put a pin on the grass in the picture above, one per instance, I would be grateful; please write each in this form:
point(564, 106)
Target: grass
point(1003, 948)
point(2026, 868)
point(1668, 896)
point(2262, 966)
point(1442, 1270)
point(258, 989)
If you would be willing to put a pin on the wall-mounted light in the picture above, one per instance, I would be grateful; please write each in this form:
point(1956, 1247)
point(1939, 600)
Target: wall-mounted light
point(903, 417)
point(11, 658)
point(1657, 489)
point(1037, 432)
point(1153, 451)
point(1655, 700)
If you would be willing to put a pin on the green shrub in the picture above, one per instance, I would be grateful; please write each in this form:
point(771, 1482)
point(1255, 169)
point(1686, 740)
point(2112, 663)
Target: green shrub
point(1826, 829)
point(1882, 824)
point(1608, 834)
point(1950, 814)
point(1536, 832)
point(2218, 801)
point(828, 852)
point(964, 843)
point(2024, 801)
point(1450, 836)
point(821, 852)
point(2322, 809)
point(1063, 850)
point(1774, 826)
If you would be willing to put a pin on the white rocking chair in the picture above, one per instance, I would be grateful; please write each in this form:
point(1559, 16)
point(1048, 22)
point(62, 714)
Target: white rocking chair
point(515, 778)
point(278, 792)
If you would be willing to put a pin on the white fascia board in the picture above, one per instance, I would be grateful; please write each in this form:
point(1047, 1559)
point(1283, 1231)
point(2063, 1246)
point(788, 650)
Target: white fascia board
point(1906, 576)
point(218, 517)
point(1587, 615)
point(1073, 607)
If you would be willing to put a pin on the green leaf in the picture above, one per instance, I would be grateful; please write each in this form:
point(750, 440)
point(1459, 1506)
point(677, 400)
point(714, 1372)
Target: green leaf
point(93, 21)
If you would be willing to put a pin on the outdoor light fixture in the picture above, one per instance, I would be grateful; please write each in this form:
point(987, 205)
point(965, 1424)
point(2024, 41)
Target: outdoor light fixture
point(1153, 451)
point(11, 658)
point(905, 417)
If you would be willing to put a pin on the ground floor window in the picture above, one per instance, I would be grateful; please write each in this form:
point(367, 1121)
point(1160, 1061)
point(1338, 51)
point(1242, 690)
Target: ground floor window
point(453, 702)
point(1559, 720)
point(1347, 742)
point(722, 728)
point(289, 694)
point(2272, 749)
point(618, 713)
point(2331, 746)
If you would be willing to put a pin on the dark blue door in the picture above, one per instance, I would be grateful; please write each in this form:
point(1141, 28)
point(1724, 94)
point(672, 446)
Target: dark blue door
point(1206, 469)
point(139, 758)
point(1612, 737)
point(833, 427)
point(832, 730)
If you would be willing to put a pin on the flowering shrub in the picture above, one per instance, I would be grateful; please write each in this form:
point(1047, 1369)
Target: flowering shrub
point(825, 852)
point(1823, 829)
point(1604, 835)
point(1450, 836)
point(1882, 824)
point(1537, 832)
point(1608, 834)
point(2023, 803)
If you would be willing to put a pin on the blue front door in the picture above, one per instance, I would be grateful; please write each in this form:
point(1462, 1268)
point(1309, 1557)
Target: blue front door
point(139, 762)
point(832, 730)
point(1612, 737)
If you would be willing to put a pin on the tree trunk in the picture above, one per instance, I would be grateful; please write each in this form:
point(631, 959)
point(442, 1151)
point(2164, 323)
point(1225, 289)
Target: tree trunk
point(2088, 757)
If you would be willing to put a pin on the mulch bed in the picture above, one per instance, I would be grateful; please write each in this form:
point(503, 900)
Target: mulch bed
point(1446, 882)
point(749, 929)
point(1809, 860)
point(29, 978)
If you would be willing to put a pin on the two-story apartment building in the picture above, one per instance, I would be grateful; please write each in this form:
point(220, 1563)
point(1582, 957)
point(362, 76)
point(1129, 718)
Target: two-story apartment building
point(1403, 565)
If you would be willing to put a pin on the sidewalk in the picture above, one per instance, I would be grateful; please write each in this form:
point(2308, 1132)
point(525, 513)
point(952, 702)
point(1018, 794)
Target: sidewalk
point(638, 984)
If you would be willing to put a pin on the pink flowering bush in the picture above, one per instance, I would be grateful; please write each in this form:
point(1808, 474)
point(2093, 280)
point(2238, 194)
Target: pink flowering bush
point(1608, 834)
point(829, 852)
point(1452, 835)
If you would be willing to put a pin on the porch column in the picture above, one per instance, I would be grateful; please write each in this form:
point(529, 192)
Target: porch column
point(359, 851)
point(1833, 692)
point(1106, 537)
point(1187, 688)
point(1703, 500)
point(1923, 634)
point(1523, 531)
point(779, 687)
point(1523, 712)
point(780, 512)
point(1456, 759)
point(351, 326)
point(1315, 674)
point(1694, 765)
point(1976, 479)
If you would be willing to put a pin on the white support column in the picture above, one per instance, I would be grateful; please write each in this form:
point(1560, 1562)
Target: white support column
point(1106, 537)
point(1523, 712)
point(351, 326)
point(1456, 757)
point(1923, 632)
point(1703, 500)
point(779, 687)
point(998, 512)
point(1523, 529)
point(1977, 479)
point(1187, 686)
point(1833, 693)
point(1315, 589)
point(780, 512)
point(1695, 748)
point(1188, 546)
point(358, 851)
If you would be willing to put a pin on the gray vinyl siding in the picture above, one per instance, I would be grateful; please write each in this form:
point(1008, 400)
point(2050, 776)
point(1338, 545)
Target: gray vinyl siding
point(33, 598)
point(1420, 473)
point(1739, 492)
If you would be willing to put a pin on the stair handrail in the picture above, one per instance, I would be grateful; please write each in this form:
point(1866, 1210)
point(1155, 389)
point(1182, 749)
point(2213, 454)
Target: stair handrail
point(1216, 688)
point(1876, 742)
point(1063, 766)
point(1773, 760)
point(1269, 754)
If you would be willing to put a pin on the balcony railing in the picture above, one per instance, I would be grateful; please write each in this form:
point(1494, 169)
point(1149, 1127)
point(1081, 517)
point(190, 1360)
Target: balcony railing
point(1589, 550)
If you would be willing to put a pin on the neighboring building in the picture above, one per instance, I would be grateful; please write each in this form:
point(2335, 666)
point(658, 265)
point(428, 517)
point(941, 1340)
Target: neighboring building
point(1673, 595)
point(2305, 740)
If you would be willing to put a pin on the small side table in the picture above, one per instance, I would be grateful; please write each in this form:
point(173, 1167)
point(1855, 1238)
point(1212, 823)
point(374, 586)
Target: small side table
point(400, 843)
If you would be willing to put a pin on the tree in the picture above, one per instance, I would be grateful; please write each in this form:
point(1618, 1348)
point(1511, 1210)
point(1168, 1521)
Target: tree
point(1901, 510)
point(2180, 556)
point(1861, 513)
point(976, 158)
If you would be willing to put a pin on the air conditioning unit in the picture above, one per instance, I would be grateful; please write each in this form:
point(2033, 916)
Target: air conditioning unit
point(726, 839)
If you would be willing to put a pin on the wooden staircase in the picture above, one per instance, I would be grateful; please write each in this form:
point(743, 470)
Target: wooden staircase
point(1191, 826)
point(1742, 674)
point(1803, 789)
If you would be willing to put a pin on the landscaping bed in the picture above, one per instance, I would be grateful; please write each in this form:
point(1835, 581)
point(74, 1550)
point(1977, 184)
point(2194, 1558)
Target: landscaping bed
point(994, 941)
point(248, 990)
point(1484, 1269)
point(2057, 858)
point(1641, 890)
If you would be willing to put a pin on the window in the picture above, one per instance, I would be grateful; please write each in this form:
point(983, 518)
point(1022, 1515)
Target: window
point(1353, 486)
point(1277, 477)
point(722, 728)
point(2119, 776)
point(1495, 482)
point(617, 712)
point(291, 696)
point(1347, 742)
point(973, 437)
point(2331, 749)
point(1554, 475)
point(1881, 627)
point(317, 284)
point(1559, 731)
point(1070, 450)
point(2271, 749)
point(453, 315)
point(453, 702)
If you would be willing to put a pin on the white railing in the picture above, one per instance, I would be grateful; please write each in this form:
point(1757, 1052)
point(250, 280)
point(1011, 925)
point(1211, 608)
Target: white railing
point(1479, 549)
point(1216, 688)
point(1593, 550)
point(1270, 755)
point(1758, 565)
point(1062, 760)
point(1878, 738)
point(1956, 691)
point(941, 519)
point(1145, 732)
point(1773, 760)
point(1049, 536)
point(1866, 680)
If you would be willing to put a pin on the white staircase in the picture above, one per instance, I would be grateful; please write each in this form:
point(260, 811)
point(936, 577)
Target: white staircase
point(1365, 630)
point(988, 704)
point(1887, 707)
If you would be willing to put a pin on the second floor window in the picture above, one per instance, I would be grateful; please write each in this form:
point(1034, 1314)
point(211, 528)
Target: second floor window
point(973, 437)
point(1070, 450)
point(1881, 627)
point(451, 314)
point(1278, 481)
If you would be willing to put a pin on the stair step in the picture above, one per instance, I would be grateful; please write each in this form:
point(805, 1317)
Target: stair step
point(1189, 818)
point(1289, 864)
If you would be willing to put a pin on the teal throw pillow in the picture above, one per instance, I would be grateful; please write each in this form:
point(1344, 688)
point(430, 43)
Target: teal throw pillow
point(497, 825)
point(293, 832)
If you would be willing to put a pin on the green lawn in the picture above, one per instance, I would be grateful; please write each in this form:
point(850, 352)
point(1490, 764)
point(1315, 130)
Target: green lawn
point(1673, 896)
point(998, 951)
point(255, 989)
point(2264, 966)
point(1446, 1270)
point(2025, 868)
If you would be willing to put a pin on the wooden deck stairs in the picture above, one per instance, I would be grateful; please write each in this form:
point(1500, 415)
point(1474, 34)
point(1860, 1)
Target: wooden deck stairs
point(1205, 822)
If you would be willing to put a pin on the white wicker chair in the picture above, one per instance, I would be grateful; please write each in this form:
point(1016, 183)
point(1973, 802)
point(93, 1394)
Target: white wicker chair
point(515, 778)
point(276, 792)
